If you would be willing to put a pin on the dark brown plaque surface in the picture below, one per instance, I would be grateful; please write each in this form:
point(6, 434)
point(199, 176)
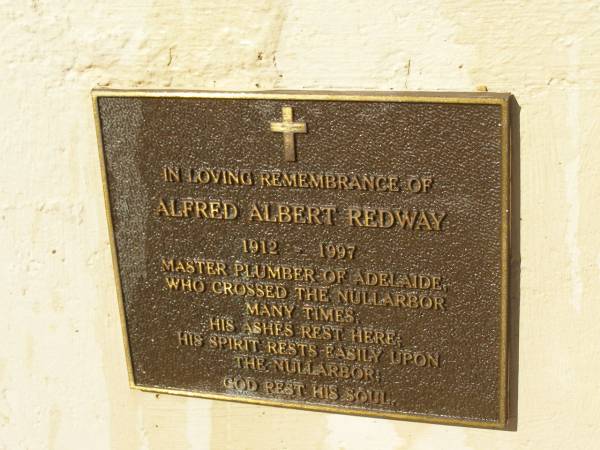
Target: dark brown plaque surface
point(339, 252)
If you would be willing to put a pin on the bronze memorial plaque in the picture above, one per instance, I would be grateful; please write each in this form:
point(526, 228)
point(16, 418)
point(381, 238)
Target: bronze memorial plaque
point(339, 252)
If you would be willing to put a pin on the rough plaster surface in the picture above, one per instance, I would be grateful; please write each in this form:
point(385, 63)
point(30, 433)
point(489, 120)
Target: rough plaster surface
point(62, 368)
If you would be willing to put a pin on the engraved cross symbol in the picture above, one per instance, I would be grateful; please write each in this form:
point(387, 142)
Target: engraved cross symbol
point(288, 127)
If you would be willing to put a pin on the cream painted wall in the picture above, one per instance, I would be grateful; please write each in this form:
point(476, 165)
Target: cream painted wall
point(62, 368)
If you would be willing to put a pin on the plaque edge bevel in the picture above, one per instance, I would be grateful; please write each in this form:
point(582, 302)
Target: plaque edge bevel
point(113, 246)
point(330, 409)
point(503, 100)
point(490, 98)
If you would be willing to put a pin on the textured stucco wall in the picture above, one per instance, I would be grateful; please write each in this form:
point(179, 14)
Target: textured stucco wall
point(62, 368)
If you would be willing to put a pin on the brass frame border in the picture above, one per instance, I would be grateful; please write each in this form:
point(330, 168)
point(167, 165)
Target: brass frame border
point(502, 100)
